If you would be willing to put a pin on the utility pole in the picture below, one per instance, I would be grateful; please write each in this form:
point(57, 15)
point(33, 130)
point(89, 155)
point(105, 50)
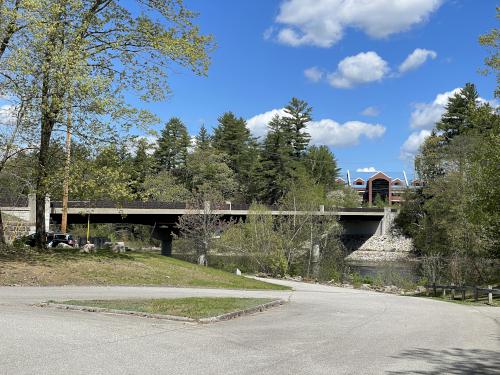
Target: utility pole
point(64, 219)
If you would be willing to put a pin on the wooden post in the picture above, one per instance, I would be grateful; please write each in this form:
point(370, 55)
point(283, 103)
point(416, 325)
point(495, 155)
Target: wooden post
point(463, 293)
point(476, 294)
point(434, 289)
point(444, 291)
point(452, 292)
point(490, 294)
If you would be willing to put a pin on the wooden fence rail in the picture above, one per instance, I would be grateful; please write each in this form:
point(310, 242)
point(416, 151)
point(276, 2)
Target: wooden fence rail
point(463, 289)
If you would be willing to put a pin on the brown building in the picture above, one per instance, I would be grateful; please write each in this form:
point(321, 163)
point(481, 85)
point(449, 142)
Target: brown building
point(371, 185)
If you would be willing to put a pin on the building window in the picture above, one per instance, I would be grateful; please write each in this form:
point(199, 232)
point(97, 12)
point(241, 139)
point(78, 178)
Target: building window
point(380, 187)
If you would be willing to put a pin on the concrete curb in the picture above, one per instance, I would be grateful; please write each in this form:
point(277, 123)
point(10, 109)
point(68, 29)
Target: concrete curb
point(238, 313)
point(212, 319)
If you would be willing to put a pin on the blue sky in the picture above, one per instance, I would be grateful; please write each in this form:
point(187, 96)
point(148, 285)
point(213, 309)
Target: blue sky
point(265, 47)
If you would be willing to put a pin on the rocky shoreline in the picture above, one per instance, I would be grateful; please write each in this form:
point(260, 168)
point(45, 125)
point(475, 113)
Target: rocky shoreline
point(381, 248)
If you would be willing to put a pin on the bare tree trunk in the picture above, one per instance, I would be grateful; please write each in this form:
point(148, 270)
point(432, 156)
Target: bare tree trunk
point(2, 234)
point(64, 218)
point(51, 106)
point(41, 189)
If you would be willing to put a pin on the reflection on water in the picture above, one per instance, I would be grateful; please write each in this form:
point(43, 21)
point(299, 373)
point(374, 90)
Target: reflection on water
point(407, 270)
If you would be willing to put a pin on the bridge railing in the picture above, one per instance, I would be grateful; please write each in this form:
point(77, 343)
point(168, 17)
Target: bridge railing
point(13, 201)
point(228, 206)
point(114, 204)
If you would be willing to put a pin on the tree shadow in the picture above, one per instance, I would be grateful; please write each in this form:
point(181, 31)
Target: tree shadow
point(453, 361)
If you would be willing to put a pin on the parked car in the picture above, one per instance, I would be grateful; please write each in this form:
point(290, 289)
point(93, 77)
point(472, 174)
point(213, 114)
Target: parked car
point(53, 239)
point(58, 238)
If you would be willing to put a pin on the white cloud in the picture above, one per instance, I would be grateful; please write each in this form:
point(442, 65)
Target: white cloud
point(323, 132)
point(314, 74)
point(367, 170)
point(268, 33)
point(362, 68)
point(370, 111)
point(331, 133)
point(258, 124)
point(415, 59)
point(412, 144)
point(322, 22)
point(426, 115)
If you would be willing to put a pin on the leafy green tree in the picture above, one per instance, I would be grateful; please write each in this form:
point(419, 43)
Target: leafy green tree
point(492, 61)
point(297, 115)
point(428, 162)
point(483, 189)
point(321, 165)
point(306, 196)
point(344, 196)
point(81, 56)
point(163, 187)
point(208, 172)
point(107, 176)
point(455, 215)
point(172, 151)
point(257, 239)
point(202, 230)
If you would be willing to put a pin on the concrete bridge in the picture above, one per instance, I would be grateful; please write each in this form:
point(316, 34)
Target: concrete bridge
point(163, 216)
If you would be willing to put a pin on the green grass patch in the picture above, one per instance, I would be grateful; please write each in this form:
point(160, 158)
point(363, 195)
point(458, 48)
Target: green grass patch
point(192, 307)
point(69, 267)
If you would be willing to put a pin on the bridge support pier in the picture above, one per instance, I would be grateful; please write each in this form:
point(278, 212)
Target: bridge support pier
point(166, 246)
point(164, 234)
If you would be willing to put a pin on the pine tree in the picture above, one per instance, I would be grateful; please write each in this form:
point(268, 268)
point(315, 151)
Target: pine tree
point(142, 162)
point(173, 146)
point(278, 164)
point(298, 114)
point(203, 139)
point(233, 138)
point(457, 118)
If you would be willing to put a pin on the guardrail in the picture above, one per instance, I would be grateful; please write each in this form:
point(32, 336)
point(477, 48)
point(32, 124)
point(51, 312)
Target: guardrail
point(463, 289)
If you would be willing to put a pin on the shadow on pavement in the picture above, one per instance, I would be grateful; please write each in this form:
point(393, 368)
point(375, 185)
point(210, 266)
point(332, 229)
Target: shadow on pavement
point(453, 361)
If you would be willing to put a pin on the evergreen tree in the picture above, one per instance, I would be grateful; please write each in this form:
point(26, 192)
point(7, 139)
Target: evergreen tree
point(321, 165)
point(298, 114)
point(457, 118)
point(173, 146)
point(142, 162)
point(232, 137)
point(278, 163)
point(203, 139)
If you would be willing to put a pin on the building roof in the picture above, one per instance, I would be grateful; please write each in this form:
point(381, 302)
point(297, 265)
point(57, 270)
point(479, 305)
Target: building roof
point(365, 176)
